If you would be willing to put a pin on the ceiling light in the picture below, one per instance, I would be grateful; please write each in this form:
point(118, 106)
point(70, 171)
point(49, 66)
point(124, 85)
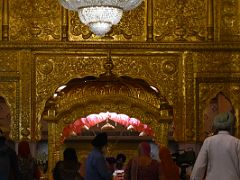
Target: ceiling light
point(100, 15)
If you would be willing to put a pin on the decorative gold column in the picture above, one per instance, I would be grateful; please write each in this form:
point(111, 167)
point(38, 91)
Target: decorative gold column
point(5, 21)
point(149, 20)
point(210, 21)
point(64, 24)
point(26, 121)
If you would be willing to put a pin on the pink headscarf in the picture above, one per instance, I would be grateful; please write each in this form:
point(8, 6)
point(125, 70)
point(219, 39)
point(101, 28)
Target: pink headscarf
point(144, 149)
point(24, 149)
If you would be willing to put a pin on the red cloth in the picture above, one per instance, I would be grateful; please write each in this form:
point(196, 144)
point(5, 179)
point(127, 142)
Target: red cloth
point(24, 149)
point(169, 167)
point(145, 149)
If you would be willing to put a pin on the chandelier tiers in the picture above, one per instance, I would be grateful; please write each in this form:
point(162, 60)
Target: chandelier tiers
point(100, 15)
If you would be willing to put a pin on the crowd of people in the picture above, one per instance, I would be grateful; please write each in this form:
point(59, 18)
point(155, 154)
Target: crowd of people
point(219, 158)
point(99, 167)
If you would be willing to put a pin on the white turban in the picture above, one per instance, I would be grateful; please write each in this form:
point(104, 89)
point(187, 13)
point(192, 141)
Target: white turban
point(223, 121)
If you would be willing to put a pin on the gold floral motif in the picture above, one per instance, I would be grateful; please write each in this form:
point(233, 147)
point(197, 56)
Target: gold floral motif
point(45, 66)
point(183, 20)
point(35, 20)
point(169, 67)
point(224, 62)
point(230, 20)
point(9, 61)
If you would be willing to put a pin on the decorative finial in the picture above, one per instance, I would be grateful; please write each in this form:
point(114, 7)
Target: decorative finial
point(108, 66)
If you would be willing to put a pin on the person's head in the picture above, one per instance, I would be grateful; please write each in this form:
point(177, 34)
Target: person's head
point(100, 140)
point(144, 149)
point(164, 153)
point(2, 137)
point(24, 149)
point(120, 160)
point(70, 154)
point(224, 122)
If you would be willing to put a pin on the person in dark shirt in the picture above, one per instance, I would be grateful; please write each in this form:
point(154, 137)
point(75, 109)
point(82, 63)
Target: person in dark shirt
point(28, 169)
point(8, 161)
point(96, 165)
point(69, 168)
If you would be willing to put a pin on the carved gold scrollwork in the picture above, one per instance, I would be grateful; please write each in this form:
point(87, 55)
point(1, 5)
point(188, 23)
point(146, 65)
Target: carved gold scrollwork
point(35, 20)
point(180, 20)
point(230, 20)
point(9, 61)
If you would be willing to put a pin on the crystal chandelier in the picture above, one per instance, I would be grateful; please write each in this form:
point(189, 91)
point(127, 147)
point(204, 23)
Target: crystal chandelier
point(100, 15)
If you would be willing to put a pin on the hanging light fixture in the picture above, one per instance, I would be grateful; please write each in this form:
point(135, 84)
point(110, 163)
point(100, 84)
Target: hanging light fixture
point(100, 15)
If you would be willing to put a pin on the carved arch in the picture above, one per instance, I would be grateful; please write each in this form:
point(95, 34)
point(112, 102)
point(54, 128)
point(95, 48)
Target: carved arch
point(89, 95)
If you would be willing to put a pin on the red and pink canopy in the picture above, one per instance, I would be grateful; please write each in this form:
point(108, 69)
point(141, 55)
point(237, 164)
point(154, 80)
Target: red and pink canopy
point(93, 119)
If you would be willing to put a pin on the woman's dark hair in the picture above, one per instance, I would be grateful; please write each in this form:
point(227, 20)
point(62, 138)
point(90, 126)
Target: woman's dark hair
point(121, 157)
point(70, 154)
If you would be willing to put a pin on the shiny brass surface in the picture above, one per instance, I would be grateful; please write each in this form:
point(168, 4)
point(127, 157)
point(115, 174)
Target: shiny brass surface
point(189, 50)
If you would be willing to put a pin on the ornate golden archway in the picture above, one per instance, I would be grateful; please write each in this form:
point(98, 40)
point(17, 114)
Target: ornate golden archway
point(108, 92)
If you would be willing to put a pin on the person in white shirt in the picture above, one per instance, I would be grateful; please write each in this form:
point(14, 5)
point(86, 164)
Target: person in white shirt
point(219, 157)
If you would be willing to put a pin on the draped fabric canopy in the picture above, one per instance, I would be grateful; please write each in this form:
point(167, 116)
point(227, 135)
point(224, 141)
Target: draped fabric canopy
point(91, 120)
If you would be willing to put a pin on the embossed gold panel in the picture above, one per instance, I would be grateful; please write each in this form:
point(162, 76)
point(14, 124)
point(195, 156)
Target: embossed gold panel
point(229, 20)
point(158, 69)
point(207, 88)
point(180, 20)
point(34, 20)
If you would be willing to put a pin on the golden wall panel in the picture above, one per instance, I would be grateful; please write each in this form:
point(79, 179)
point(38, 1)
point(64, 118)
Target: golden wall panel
point(34, 20)
point(207, 88)
point(229, 20)
point(161, 70)
point(15, 75)
point(132, 27)
point(184, 20)
point(54, 70)
point(215, 72)
point(217, 62)
point(9, 61)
